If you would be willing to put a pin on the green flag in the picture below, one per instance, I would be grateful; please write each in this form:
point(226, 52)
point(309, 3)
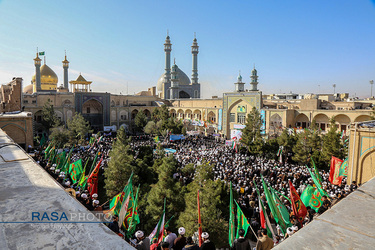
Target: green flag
point(311, 197)
point(319, 178)
point(66, 163)
point(42, 53)
point(274, 210)
point(281, 207)
point(75, 170)
point(264, 221)
point(60, 158)
point(231, 217)
point(242, 222)
point(42, 141)
point(46, 151)
point(344, 168)
point(317, 184)
point(117, 209)
point(134, 219)
point(93, 163)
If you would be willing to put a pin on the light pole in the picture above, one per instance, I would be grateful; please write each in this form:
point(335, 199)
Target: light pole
point(334, 88)
point(372, 83)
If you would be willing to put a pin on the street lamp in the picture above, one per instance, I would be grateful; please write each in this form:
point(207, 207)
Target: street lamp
point(334, 88)
point(372, 83)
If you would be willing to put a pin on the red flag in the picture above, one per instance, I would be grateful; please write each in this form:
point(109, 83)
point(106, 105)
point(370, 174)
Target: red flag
point(92, 181)
point(334, 172)
point(261, 214)
point(299, 209)
point(199, 222)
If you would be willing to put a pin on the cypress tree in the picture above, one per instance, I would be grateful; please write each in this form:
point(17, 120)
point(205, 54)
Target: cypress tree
point(168, 188)
point(214, 206)
point(332, 145)
point(251, 136)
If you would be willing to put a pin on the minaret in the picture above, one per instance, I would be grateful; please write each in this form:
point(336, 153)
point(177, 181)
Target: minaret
point(194, 51)
point(66, 66)
point(38, 85)
point(254, 80)
point(240, 86)
point(174, 82)
point(167, 49)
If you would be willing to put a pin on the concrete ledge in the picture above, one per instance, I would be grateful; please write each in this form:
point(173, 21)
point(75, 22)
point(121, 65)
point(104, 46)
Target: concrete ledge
point(26, 188)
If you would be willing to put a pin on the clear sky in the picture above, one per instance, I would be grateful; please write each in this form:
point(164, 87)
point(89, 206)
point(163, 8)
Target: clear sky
point(298, 46)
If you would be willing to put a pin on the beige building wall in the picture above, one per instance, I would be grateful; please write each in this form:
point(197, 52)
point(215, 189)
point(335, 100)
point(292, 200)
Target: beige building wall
point(10, 96)
point(361, 154)
point(19, 127)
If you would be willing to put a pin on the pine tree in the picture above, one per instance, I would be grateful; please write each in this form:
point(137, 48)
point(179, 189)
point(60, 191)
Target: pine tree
point(78, 128)
point(332, 145)
point(168, 188)
point(49, 117)
point(214, 204)
point(140, 121)
point(287, 141)
point(301, 149)
point(120, 166)
point(251, 136)
point(316, 143)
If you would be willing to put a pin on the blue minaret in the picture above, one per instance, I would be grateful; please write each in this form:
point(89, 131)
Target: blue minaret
point(66, 66)
point(254, 80)
point(240, 86)
point(194, 51)
point(167, 49)
point(38, 85)
point(174, 89)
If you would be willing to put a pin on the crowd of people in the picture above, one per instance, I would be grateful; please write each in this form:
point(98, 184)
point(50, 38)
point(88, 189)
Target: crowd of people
point(242, 170)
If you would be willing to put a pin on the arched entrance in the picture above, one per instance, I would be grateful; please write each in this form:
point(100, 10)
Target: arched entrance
point(183, 94)
point(92, 111)
point(16, 133)
point(343, 120)
point(302, 121)
point(322, 121)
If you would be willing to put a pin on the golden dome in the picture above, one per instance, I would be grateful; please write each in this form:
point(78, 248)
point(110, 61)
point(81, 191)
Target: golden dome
point(28, 89)
point(47, 76)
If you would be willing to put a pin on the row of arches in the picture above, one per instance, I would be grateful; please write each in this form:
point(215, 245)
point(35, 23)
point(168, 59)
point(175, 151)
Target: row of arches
point(192, 114)
point(302, 121)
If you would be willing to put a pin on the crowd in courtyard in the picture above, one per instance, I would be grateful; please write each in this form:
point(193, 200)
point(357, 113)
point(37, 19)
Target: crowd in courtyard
point(241, 169)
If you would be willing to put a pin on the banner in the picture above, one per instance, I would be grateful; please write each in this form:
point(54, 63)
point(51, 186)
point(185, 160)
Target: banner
point(219, 120)
point(75, 170)
point(334, 173)
point(176, 137)
point(344, 168)
point(311, 197)
point(231, 235)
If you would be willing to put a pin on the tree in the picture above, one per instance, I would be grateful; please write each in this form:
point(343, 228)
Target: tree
point(160, 114)
point(332, 145)
point(270, 148)
point(251, 136)
point(287, 141)
point(151, 128)
point(60, 136)
point(49, 117)
point(78, 128)
point(214, 205)
point(167, 188)
point(140, 121)
point(301, 149)
point(119, 169)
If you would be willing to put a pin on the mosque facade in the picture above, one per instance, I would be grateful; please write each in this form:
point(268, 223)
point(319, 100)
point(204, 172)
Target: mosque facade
point(174, 83)
point(224, 115)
